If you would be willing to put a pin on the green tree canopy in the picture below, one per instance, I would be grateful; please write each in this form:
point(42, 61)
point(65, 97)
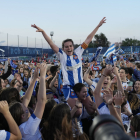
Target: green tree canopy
point(101, 40)
point(130, 42)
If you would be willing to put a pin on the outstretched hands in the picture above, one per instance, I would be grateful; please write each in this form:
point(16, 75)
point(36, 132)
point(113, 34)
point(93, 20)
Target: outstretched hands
point(102, 22)
point(108, 96)
point(38, 29)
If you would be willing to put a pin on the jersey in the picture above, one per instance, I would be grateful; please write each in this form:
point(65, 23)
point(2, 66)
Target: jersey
point(4, 135)
point(30, 129)
point(71, 66)
point(125, 85)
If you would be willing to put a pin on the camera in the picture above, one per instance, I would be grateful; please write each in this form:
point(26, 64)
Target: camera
point(107, 127)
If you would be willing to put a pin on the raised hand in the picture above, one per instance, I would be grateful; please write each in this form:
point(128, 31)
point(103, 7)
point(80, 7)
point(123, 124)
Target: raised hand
point(9, 60)
point(108, 96)
point(115, 70)
point(4, 108)
point(102, 22)
point(114, 80)
point(57, 73)
point(43, 68)
point(38, 29)
point(118, 98)
point(36, 72)
point(108, 70)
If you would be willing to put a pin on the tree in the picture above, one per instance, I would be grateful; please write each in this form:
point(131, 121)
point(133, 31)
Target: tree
point(101, 40)
point(130, 42)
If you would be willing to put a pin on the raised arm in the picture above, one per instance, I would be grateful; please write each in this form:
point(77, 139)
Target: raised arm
point(7, 74)
point(28, 94)
point(91, 35)
point(51, 85)
point(108, 97)
point(86, 79)
point(41, 98)
point(14, 129)
point(97, 91)
point(47, 38)
point(119, 83)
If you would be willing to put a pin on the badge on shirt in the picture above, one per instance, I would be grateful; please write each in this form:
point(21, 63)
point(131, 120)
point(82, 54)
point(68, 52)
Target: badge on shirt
point(75, 56)
point(72, 93)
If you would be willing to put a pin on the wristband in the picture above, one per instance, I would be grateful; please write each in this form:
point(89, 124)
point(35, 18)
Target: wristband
point(103, 75)
point(117, 106)
point(130, 116)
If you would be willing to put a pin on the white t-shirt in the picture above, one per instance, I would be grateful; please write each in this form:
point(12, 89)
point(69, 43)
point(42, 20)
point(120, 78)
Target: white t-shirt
point(4, 135)
point(30, 129)
point(71, 66)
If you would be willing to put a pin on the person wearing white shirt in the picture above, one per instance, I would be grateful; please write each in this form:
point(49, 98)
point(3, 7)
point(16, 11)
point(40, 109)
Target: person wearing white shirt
point(14, 133)
point(71, 64)
point(29, 124)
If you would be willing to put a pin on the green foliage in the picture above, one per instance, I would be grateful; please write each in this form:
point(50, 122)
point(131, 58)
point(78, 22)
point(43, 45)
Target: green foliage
point(101, 40)
point(130, 42)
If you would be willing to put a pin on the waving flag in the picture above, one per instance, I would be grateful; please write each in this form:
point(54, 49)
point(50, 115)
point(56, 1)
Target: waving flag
point(119, 52)
point(60, 86)
point(98, 51)
point(110, 50)
point(12, 64)
point(110, 59)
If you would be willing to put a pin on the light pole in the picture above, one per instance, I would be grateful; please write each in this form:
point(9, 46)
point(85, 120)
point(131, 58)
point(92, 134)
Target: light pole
point(51, 34)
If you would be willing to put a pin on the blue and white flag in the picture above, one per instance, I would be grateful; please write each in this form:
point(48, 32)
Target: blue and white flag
point(109, 54)
point(110, 50)
point(119, 52)
point(12, 64)
point(95, 57)
point(60, 84)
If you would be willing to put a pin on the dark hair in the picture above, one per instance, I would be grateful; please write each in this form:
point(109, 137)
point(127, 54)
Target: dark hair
point(32, 102)
point(125, 69)
point(53, 70)
point(48, 107)
point(138, 66)
point(77, 87)
point(16, 111)
point(3, 123)
point(130, 71)
point(54, 122)
point(135, 122)
point(66, 40)
point(10, 95)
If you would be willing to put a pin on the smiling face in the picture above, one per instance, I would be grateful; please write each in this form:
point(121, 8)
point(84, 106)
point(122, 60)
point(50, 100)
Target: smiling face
point(137, 86)
point(68, 48)
point(107, 82)
point(82, 94)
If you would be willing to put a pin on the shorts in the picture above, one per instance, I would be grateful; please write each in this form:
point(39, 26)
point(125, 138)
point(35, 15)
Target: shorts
point(69, 92)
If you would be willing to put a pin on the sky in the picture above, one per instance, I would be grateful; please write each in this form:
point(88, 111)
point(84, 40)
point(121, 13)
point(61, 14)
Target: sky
point(74, 19)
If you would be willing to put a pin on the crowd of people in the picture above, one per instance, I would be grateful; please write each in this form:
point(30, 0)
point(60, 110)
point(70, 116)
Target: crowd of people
point(70, 100)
